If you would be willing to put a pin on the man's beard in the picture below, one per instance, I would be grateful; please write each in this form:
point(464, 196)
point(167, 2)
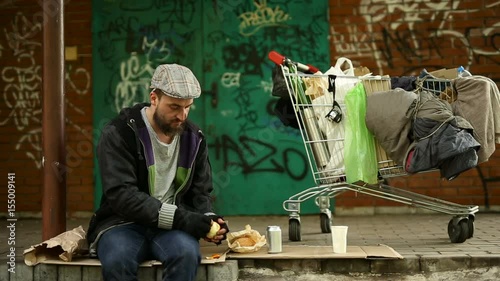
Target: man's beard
point(165, 127)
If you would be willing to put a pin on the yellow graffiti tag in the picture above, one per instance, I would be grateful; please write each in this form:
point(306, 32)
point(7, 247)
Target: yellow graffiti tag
point(263, 16)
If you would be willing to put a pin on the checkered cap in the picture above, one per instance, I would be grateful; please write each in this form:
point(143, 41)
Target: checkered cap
point(176, 81)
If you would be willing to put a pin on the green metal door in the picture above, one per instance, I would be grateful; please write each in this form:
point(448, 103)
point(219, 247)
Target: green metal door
point(257, 162)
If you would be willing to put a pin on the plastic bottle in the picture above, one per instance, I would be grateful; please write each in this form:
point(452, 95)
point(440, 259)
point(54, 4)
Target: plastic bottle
point(462, 72)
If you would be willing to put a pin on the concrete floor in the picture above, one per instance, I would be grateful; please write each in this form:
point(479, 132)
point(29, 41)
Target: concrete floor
point(422, 238)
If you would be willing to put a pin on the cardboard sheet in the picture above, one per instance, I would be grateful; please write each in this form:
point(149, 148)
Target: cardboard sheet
point(289, 252)
point(206, 258)
point(322, 252)
point(445, 73)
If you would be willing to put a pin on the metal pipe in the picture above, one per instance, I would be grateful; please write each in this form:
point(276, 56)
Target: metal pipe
point(53, 136)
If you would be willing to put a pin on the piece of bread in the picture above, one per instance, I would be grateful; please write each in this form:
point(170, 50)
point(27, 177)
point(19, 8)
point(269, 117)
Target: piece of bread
point(245, 241)
point(213, 230)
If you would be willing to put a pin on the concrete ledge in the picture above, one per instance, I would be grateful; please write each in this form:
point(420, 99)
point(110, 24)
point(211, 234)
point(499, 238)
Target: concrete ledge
point(230, 269)
point(227, 270)
point(51, 272)
point(436, 263)
point(345, 266)
point(408, 264)
point(484, 261)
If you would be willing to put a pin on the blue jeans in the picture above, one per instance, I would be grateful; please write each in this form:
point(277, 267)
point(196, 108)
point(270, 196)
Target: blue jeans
point(122, 248)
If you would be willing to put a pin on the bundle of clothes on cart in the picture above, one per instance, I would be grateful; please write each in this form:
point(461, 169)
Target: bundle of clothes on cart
point(425, 122)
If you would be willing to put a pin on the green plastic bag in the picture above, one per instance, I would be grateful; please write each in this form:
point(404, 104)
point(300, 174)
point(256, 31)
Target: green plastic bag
point(359, 146)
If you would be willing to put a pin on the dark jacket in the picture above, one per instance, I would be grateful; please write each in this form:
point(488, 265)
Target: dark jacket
point(125, 155)
point(441, 140)
point(443, 146)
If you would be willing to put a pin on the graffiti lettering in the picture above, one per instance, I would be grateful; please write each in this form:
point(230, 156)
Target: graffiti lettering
point(22, 92)
point(23, 82)
point(354, 42)
point(136, 72)
point(33, 149)
point(74, 78)
point(133, 84)
point(246, 112)
point(263, 16)
point(256, 156)
point(229, 80)
point(20, 38)
point(401, 36)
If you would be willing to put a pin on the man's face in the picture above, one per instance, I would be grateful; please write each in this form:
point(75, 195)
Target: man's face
point(171, 113)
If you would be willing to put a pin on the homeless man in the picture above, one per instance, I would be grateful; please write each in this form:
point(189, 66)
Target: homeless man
point(156, 181)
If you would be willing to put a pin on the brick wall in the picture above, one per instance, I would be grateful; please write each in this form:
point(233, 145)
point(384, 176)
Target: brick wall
point(21, 53)
point(402, 39)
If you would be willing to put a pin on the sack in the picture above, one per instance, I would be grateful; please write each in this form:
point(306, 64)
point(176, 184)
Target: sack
point(359, 146)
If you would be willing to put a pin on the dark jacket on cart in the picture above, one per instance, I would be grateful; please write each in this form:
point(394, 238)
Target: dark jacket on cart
point(421, 132)
point(441, 140)
point(129, 155)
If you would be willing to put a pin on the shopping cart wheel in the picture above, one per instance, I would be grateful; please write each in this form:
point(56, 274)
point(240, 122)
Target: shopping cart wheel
point(458, 231)
point(325, 223)
point(470, 225)
point(294, 230)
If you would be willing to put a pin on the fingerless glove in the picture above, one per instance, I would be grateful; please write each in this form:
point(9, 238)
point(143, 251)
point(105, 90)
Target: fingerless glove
point(216, 218)
point(195, 224)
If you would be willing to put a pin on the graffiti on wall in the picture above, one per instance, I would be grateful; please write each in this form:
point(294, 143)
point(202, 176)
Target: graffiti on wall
point(149, 44)
point(136, 71)
point(253, 155)
point(399, 33)
point(262, 27)
point(263, 15)
point(145, 45)
point(23, 85)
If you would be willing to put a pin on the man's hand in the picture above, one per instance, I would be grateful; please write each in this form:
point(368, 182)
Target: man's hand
point(221, 234)
point(198, 225)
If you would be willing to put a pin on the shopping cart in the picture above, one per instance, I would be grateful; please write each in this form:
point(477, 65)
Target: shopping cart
point(330, 180)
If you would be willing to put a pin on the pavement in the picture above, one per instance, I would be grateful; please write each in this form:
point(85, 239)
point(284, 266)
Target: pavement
point(422, 240)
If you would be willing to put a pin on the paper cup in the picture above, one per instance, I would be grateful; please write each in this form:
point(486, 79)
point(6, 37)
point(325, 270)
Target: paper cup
point(339, 238)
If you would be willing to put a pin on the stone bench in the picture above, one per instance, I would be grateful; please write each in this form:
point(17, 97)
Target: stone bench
point(85, 270)
point(89, 269)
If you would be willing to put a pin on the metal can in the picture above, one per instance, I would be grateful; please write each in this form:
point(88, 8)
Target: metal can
point(274, 239)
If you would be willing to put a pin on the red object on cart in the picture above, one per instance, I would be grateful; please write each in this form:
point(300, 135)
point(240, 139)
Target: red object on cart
point(279, 59)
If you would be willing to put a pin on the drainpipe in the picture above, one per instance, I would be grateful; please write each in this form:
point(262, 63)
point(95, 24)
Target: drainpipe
point(53, 136)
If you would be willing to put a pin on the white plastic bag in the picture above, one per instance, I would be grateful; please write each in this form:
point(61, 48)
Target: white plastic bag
point(335, 132)
point(346, 79)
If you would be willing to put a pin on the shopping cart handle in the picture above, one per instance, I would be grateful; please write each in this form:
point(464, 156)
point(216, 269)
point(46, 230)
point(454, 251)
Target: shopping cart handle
point(276, 57)
point(279, 59)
